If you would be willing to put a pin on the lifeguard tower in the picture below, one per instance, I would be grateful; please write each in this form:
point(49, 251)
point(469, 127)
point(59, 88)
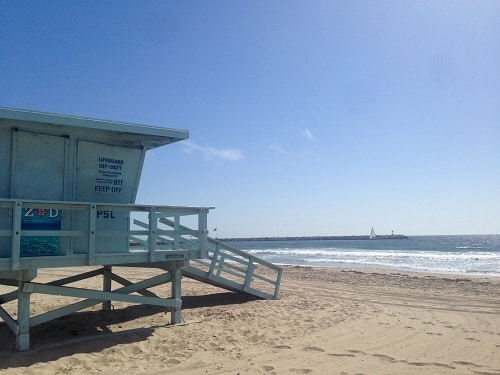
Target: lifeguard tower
point(67, 199)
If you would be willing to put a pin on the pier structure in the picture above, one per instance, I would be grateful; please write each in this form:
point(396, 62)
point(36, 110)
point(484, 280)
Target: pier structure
point(67, 199)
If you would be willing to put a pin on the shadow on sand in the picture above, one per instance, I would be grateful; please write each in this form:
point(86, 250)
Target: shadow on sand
point(88, 332)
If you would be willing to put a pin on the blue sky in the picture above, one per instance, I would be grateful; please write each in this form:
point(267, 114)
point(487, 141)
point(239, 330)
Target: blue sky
point(305, 117)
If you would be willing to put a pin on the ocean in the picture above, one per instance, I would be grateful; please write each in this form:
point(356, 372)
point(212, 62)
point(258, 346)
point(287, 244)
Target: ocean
point(477, 254)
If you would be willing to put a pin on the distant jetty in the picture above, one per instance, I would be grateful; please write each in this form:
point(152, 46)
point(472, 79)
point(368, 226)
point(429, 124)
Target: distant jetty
point(318, 238)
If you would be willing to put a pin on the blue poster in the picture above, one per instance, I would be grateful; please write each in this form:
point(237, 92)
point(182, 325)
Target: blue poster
point(40, 219)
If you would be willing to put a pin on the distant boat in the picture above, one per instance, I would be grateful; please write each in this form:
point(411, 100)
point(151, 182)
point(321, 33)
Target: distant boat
point(372, 234)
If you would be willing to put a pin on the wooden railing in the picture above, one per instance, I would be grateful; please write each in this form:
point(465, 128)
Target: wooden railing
point(230, 268)
point(85, 239)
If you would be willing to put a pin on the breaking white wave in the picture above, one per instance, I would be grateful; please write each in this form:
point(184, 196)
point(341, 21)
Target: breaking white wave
point(421, 255)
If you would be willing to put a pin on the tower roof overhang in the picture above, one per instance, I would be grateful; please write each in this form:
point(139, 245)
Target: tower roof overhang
point(131, 134)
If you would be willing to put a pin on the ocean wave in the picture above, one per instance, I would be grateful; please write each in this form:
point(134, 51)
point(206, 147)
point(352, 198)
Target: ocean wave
point(435, 254)
point(416, 267)
point(420, 261)
point(378, 254)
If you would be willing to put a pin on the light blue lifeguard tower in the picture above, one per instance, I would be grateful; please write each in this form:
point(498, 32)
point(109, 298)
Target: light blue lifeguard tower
point(67, 199)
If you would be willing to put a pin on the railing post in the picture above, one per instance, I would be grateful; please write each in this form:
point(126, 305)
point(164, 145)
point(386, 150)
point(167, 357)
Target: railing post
point(92, 229)
point(277, 285)
point(214, 259)
point(177, 228)
point(249, 273)
point(153, 225)
point(202, 231)
point(15, 252)
point(220, 265)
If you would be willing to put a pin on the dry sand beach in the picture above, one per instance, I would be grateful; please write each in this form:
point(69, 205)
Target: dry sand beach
point(327, 321)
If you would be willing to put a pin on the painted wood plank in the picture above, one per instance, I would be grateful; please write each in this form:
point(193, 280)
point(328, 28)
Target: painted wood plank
point(97, 295)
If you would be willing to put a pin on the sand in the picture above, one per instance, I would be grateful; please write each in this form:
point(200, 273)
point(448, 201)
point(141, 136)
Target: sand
point(327, 321)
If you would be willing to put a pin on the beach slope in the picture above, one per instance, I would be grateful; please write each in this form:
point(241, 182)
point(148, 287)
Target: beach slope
point(327, 321)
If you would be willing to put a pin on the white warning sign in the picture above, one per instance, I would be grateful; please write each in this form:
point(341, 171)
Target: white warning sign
point(109, 179)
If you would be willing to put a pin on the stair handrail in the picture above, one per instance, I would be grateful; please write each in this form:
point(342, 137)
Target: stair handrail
point(252, 260)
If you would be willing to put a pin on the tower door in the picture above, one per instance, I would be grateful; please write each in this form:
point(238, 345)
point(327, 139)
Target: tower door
point(38, 165)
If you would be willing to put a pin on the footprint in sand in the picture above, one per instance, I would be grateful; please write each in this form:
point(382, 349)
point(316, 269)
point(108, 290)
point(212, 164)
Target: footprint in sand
point(172, 361)
point(472, 339)
point(178, 354)
point(283, 347)
point(312, 349)
point(465, 363)
point(341, 355)
point(384, 358)
point(301, 370)
point(357, 352)
point(437, 364)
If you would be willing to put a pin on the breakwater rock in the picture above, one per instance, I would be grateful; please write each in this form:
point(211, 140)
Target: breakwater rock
point(319, 238)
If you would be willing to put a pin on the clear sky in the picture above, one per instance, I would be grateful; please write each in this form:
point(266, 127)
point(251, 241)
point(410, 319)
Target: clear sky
point(305, 117)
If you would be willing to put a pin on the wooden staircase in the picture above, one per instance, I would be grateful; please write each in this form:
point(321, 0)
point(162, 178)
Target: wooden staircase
point(230, 268)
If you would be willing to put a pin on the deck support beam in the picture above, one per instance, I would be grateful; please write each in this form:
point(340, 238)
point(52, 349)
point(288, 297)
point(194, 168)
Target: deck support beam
point(23, 318)
point(106, 286)
point(25, 287)
point(176, 314)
